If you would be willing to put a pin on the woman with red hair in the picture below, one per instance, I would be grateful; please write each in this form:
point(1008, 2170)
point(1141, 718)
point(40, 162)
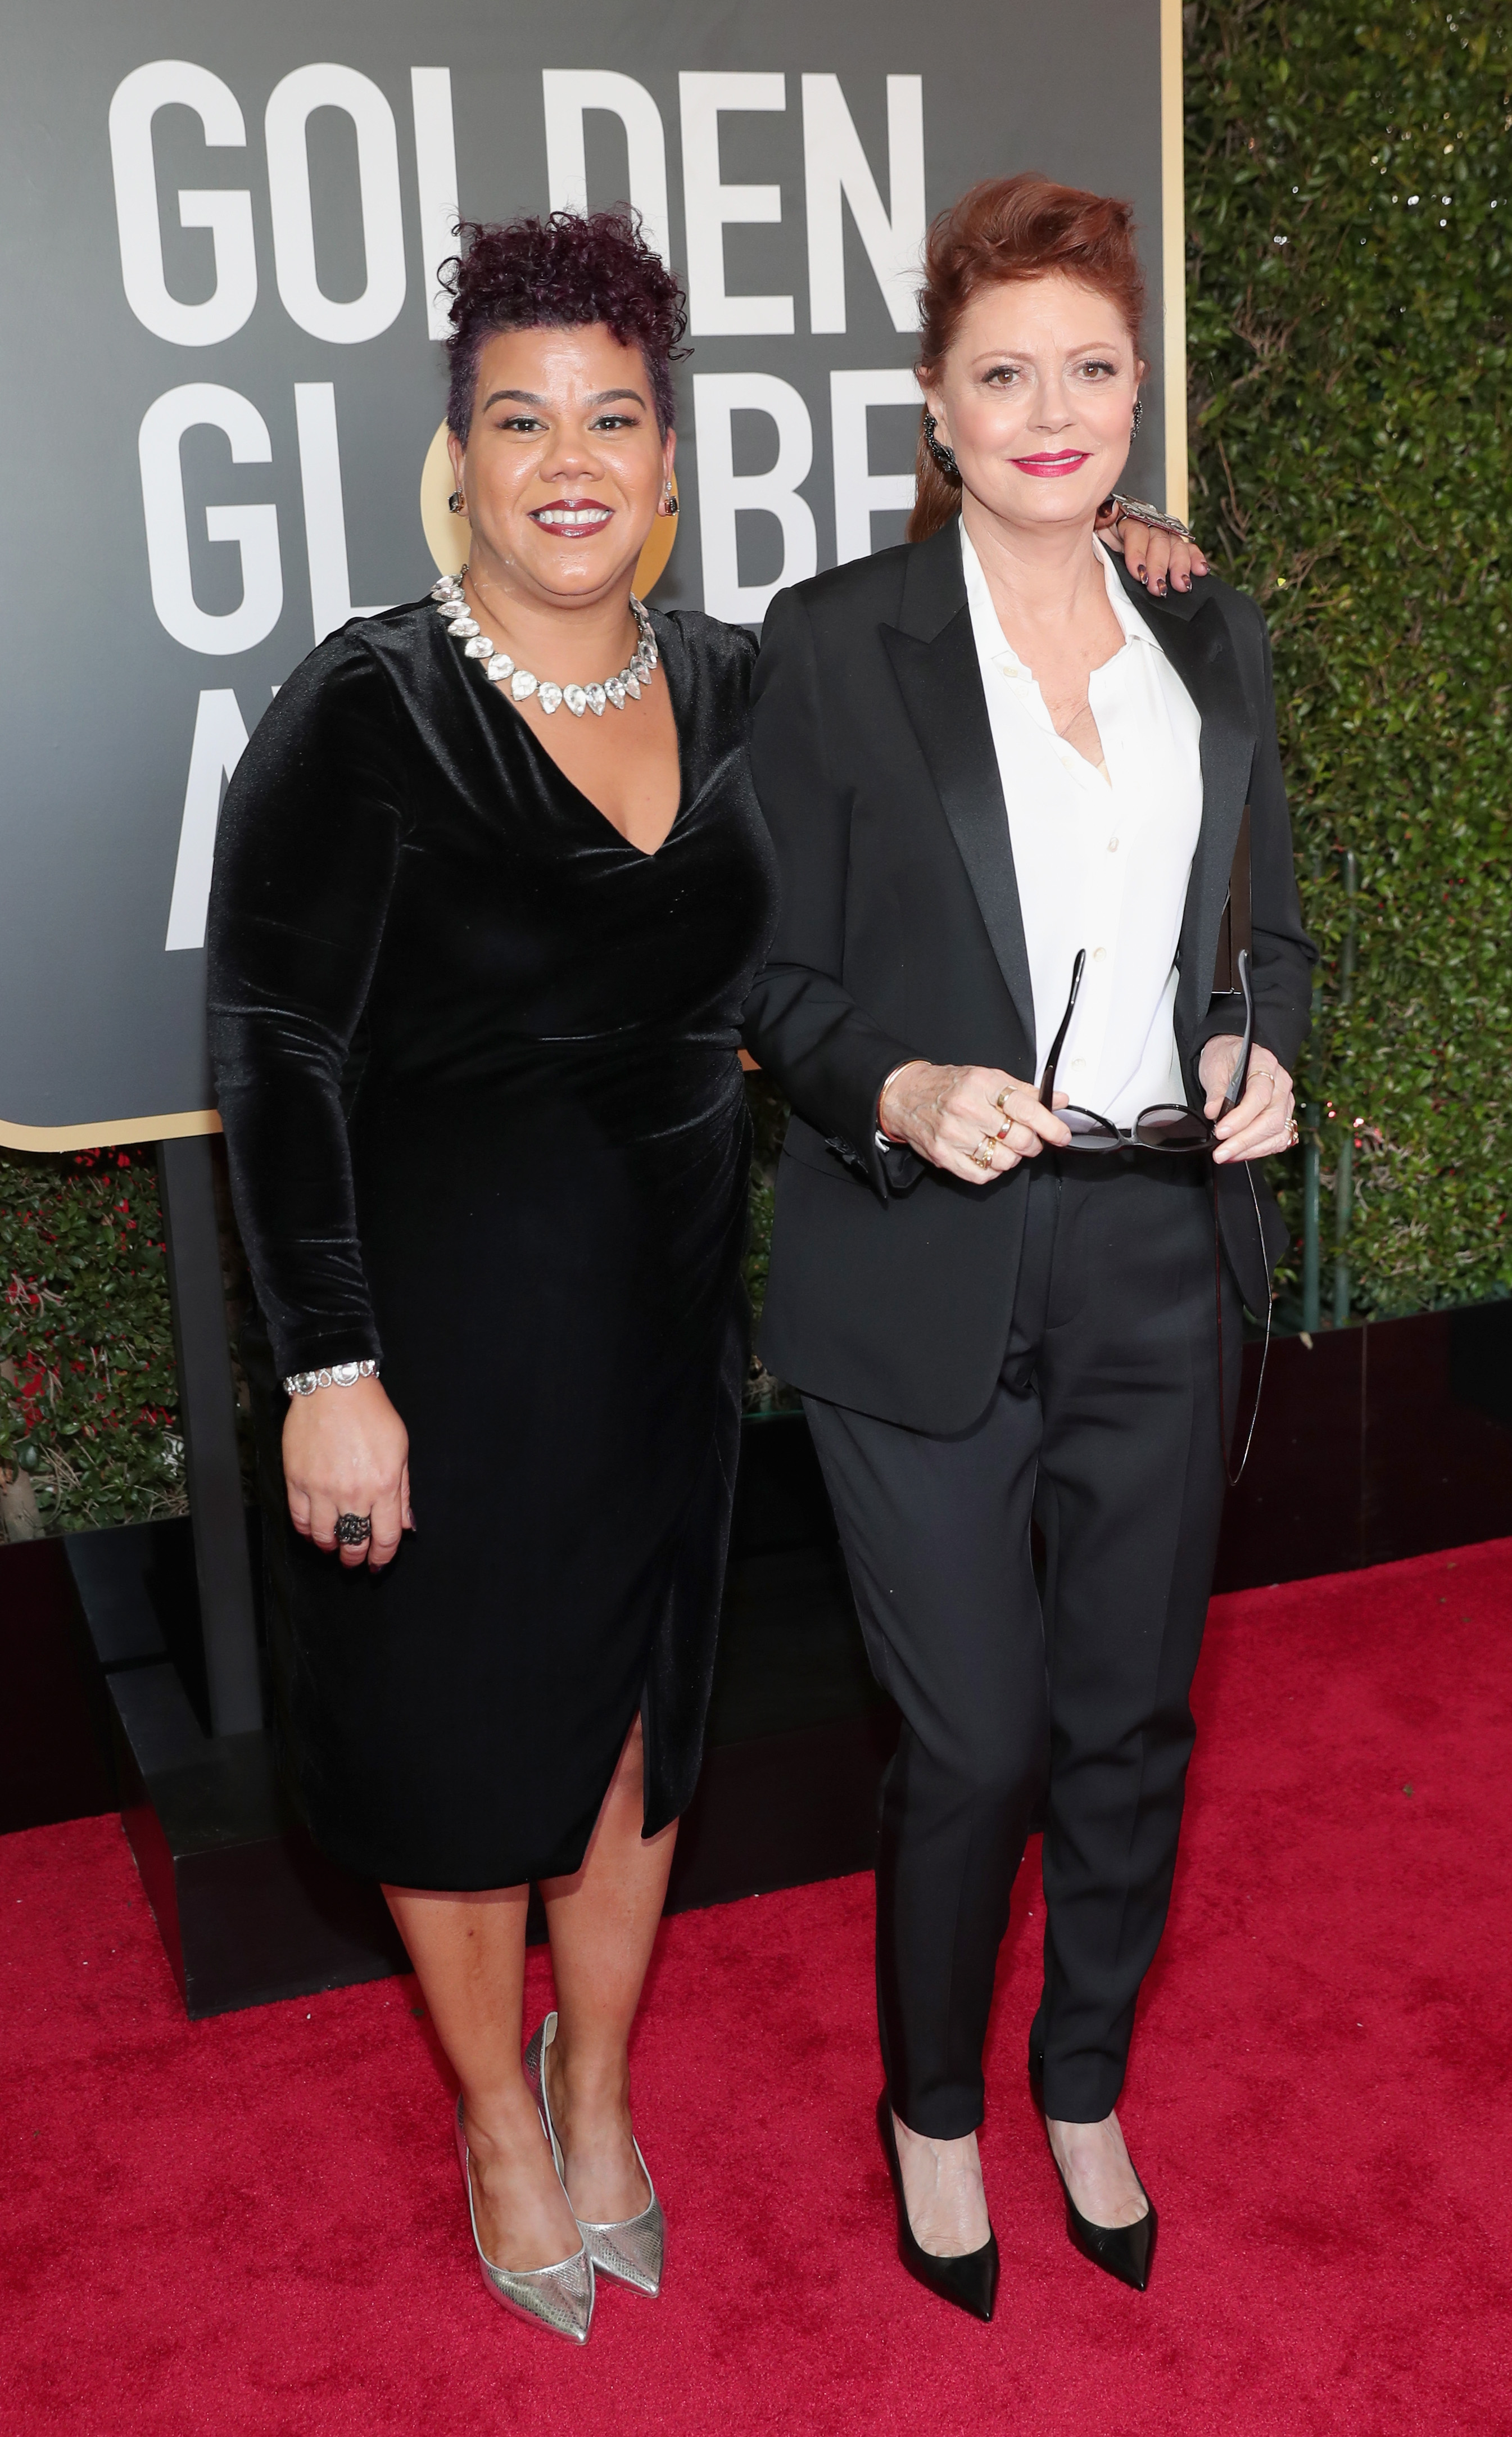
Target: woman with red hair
point(1031, 831)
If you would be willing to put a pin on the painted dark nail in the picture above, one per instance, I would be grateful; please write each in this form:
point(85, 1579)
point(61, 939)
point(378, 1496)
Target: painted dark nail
point(1143, 572)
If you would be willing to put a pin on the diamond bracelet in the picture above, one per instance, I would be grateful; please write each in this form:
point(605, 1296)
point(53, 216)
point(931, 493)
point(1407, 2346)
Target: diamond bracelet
point(339, 1375)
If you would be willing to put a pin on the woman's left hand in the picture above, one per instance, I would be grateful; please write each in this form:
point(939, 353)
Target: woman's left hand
point(1162, 561)
point(1261, 1124)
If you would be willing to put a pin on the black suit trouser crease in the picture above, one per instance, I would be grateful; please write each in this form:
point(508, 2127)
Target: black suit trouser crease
point(1104, 1425)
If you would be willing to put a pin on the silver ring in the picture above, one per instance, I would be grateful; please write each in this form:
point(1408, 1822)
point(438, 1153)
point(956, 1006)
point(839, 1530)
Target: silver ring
point(353, 1531)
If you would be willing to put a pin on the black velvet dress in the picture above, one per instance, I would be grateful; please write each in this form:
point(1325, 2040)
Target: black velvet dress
point(476, 1064)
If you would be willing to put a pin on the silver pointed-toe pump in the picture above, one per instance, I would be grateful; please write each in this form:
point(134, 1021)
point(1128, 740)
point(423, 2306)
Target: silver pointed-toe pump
point(629, 2248)
point(560, 2298)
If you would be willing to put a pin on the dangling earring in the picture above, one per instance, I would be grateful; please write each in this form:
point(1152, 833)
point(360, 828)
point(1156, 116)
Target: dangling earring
point(945, 458)
point(455, 503)
point(667, 504)
point(1138, 417)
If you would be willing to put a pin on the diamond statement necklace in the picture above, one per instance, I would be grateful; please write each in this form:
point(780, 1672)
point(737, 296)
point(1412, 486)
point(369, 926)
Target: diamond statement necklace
point(637, 671)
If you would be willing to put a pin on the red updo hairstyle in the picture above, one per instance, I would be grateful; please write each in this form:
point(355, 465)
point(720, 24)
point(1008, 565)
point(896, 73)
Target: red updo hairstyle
point(1007, 229)
point(561, 273)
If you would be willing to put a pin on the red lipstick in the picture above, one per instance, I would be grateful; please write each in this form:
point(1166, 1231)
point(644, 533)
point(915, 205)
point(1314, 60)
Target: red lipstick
point(1049, 463)
point(572, 519)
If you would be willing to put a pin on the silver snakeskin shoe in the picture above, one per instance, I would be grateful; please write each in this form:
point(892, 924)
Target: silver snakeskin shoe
point(560, 2298)
point(629, 2248)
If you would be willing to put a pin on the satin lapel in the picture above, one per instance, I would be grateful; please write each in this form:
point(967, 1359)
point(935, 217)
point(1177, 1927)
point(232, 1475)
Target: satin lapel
point(1198, 647)
point(941, 683)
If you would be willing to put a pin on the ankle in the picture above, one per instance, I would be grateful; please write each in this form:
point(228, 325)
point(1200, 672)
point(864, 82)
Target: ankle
point(589, 2082)
point(499, 2121)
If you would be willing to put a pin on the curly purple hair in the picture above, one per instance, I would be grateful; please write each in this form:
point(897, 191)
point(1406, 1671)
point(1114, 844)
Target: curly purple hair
point(561, 273)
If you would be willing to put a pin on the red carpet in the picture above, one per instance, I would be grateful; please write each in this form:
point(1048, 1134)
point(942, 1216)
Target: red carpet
point(254, 2224)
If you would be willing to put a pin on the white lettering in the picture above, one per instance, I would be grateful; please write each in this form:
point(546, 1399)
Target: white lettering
point(435, 170)
point(858, 493)
point(724, 495)
point(325, 86)
point(254, 529)
point(226, 212)
point(835, 165)
point(219, 742)
point(709, 206)
point(319, 475)
point(566, 94)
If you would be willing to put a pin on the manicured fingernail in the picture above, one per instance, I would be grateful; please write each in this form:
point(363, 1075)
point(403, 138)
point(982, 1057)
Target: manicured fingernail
point(1143, 572)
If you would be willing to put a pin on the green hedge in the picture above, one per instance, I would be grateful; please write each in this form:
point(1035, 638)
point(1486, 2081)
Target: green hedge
point(1348, 351)
point(1348, 261)
point(87, 1385)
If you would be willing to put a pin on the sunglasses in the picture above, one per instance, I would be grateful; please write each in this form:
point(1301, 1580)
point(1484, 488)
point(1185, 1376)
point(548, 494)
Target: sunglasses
point(1168, 1128)
point(1164, 1127)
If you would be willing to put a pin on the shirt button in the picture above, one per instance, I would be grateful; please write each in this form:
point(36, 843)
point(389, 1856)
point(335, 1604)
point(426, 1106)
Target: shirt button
point(1112, 846)
point(1097, 954)
point(1078, 1064)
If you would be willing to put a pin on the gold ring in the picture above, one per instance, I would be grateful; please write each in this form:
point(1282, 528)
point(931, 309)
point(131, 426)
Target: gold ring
point(1001, 1102)
point(1294, 1136)
point(982, 1156)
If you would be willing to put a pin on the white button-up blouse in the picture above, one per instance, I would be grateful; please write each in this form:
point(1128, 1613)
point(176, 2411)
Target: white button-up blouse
point(1102, 857)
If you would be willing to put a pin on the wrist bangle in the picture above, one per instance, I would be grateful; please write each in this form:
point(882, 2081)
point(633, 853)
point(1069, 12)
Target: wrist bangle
point(883, 1135)
point(338, 1374)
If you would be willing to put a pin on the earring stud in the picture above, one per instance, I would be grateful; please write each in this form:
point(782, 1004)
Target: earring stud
point(455, 503)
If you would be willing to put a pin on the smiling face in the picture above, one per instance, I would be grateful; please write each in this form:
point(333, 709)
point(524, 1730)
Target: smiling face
point(563, 466)
point(1036, 398)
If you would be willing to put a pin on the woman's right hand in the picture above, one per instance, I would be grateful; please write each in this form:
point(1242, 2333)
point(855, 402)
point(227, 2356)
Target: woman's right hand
point(948, 1113)
point(346, 1453)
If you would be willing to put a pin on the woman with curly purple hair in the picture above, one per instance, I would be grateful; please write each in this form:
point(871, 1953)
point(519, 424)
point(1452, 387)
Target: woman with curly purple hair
point(491, 885)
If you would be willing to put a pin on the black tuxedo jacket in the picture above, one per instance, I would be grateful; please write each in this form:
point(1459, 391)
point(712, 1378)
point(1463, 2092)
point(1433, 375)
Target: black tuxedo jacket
point(900, 936)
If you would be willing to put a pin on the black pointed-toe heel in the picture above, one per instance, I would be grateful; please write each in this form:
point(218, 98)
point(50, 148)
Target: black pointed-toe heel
point(1124, 2250)
point(969, 2279)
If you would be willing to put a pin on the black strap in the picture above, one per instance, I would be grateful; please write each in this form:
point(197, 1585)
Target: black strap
point(1234, 1477)
point(1234, 929)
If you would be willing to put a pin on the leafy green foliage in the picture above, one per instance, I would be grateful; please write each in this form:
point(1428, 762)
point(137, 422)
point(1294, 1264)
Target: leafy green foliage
point(87, 1383)
point(1350, 270)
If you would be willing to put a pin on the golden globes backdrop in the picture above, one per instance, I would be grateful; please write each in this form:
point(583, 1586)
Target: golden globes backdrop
point(223, 376)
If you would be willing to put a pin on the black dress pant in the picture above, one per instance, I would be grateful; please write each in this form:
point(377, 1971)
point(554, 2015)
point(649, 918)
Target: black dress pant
point(1105, 1427)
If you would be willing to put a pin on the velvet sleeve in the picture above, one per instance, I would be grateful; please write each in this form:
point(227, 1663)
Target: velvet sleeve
point(305, 858)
